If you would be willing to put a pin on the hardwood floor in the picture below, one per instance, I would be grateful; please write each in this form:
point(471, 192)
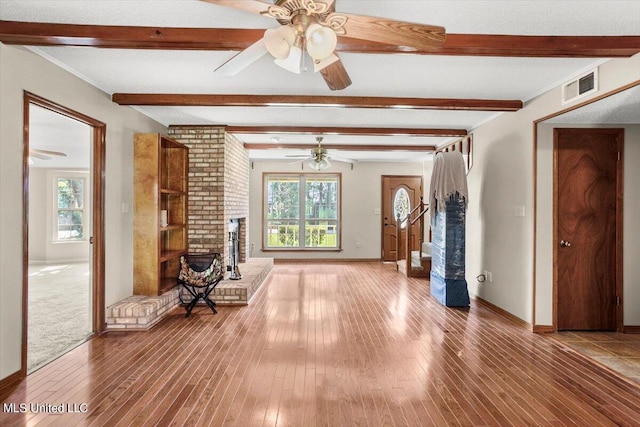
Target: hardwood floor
point(334, 345)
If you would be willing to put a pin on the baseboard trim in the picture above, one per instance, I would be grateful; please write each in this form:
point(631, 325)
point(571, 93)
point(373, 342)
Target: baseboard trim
point(324, 260)
point(543, 329)
point(631, 329)
point(57, 261)
point(503, 313)
point(10, 382)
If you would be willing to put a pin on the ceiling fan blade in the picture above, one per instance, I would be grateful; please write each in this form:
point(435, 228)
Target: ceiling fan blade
point(242, 60)
point(298, 156)
point(336, 76)
point(399, 33)
point(299, 161)
point(33, 151)
point(341, 159)
point(40, 156)
point(253, 6)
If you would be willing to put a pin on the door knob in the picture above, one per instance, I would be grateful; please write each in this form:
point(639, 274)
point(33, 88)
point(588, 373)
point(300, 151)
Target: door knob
point(565, 243)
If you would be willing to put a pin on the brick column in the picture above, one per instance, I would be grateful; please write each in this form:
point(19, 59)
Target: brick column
point(236, 188)
point(218, 187)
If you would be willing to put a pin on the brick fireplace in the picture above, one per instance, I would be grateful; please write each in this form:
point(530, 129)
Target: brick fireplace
point(218, 193)
point(218, 187)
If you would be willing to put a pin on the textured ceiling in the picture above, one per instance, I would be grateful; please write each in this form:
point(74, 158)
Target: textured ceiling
point(388, 75)
point(621, 108)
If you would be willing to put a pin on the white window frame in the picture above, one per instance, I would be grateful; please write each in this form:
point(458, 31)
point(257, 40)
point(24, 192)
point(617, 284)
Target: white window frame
point(302, 177)
point(86, 230)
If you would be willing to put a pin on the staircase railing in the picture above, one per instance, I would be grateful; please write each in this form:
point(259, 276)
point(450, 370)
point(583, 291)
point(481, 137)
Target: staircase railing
point(415, 216)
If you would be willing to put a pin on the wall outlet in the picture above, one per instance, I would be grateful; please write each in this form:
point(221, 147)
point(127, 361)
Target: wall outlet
point(489, 276)
point(358, 244)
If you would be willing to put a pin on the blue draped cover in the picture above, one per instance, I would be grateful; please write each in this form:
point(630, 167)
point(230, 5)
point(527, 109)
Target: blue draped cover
point(448, 283)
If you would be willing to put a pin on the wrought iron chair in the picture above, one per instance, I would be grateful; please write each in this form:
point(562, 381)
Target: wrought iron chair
point(199, 275)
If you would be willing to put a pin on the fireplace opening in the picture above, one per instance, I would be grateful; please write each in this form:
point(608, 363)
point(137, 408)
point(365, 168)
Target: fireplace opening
point(241, 226)
point(234, 250)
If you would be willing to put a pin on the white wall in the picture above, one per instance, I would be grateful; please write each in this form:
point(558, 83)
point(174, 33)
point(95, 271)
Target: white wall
point(631, 246)
point(361, 195)
point(22, 70)
point(501, 179)
point(37, 215)
point(631, 223)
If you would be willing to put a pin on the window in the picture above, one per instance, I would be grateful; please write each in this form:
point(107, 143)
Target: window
point(401, 206)
point(70, 209)
point(302, 211)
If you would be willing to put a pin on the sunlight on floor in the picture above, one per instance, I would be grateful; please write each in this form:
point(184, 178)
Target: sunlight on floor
point(618, 352)
point(59, 311)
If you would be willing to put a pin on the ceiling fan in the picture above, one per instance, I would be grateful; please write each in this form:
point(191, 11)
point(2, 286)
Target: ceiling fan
point(313, 26)
point(43, 154)
point(319, 158)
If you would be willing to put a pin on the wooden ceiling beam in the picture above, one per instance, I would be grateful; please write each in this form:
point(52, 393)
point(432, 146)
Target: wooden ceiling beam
point(345, 147)
point(322, 130)
point(236, 39)
point(199, 100)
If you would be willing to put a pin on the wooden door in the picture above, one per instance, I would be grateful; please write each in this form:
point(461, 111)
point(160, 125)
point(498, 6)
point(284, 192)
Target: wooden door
point(588, 176)
point(390, 187)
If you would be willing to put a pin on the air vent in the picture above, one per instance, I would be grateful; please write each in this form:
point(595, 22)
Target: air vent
point(583, 85)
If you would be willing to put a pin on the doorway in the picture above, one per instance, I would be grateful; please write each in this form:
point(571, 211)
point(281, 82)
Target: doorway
point(588, 228)
point(399, 195)
point(63, 258)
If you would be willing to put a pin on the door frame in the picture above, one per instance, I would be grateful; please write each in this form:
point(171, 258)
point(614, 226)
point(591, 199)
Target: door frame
point(382, 178)
point(97, 216)
point(619, 268)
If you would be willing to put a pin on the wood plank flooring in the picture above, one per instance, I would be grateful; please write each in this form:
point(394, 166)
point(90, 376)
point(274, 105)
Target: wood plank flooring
point(338, 344)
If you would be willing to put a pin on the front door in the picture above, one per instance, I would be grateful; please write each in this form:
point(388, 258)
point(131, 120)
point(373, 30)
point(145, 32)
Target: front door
point(587, 208)
point(393, 189)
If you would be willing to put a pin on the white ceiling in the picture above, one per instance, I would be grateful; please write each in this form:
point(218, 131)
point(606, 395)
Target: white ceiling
point(394, 75)
point(621, 108)
point(53, 131)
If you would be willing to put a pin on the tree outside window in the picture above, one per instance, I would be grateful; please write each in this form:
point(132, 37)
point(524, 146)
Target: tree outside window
point(302, 211)
point(70, 197)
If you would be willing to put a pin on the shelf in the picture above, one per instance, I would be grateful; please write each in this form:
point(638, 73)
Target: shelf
point(161, 182)
point(168, 255)
point(176, 192)
point(172, 227)
point(167, 283)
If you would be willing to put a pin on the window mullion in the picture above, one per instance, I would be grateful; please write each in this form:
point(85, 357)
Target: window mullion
point(302, 197)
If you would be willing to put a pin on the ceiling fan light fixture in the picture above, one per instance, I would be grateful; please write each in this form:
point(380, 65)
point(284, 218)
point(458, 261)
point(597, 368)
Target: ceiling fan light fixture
point(321, 41)
point(320, 164)
point(293, 62)
point(279, 41)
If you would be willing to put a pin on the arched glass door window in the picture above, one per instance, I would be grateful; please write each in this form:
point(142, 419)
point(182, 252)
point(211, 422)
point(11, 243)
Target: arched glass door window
point(401, 206)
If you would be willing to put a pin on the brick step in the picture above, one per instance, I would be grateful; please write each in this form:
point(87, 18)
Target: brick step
point(140, 313)
point(238, 292)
